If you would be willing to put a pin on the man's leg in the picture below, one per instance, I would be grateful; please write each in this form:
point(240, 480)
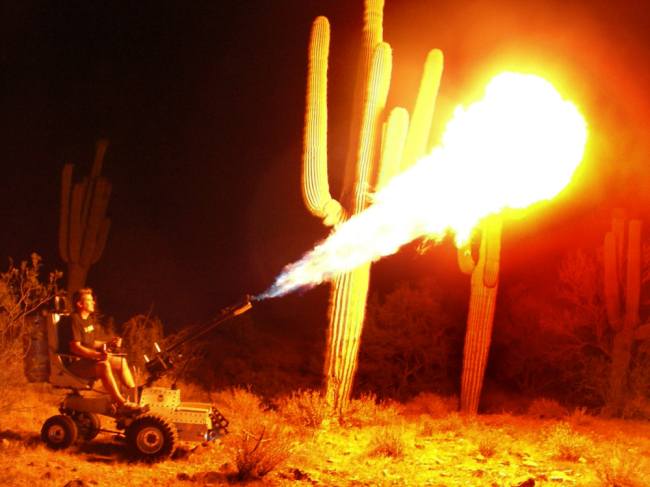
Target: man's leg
point(103, 370)
point(120, 364)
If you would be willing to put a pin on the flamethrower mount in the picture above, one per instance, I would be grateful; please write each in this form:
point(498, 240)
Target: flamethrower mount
point(164, 360)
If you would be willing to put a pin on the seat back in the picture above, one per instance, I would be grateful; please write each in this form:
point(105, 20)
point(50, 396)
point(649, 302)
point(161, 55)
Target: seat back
point(60, 376)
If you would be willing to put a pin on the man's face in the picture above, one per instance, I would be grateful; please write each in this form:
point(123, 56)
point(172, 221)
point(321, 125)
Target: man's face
point(87, 303)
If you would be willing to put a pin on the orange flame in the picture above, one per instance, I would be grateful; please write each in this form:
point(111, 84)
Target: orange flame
point(519, 145)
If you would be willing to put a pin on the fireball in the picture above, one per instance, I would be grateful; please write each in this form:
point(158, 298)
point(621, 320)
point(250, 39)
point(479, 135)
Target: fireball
point(519, 145)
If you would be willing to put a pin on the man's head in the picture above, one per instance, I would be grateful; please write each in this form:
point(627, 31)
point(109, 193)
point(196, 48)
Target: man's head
point(83, 300)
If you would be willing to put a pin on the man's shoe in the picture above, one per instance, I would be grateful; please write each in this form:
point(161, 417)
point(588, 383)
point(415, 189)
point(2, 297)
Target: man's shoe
point(128, 408)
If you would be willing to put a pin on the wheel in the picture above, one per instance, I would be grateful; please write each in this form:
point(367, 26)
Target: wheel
point(151, 437)
point(88, 425)
point(59, 432)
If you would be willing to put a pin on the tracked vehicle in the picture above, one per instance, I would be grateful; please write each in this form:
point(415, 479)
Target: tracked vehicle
point(152, 433)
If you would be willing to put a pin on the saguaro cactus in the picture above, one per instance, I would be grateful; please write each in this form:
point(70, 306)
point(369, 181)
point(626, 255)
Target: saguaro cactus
point(624, 322)
point(83, 228)
point(484, 285)
point(375, 155)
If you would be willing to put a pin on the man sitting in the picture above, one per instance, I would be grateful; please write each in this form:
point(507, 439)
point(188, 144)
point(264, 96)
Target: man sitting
point(96, 360)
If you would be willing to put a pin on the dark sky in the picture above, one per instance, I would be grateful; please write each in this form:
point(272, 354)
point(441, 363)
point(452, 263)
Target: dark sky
point(203, 103)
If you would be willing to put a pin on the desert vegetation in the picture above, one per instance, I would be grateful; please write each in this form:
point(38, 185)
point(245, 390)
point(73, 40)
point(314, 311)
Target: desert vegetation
point(295, 440)
point(545, 417)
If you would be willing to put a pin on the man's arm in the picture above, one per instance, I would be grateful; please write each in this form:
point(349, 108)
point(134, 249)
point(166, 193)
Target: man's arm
point(78, 349)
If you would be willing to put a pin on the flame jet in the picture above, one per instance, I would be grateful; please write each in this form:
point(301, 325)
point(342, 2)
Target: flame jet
point(519, 145)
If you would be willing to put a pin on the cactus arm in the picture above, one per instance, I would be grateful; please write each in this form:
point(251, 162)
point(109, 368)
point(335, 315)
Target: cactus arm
point(465, 260)
point(374, 104)
point(612, 293)
point(95, 217)
point(101, 240)
point(618, 228)
point(315, 186)
point(394, 137)
point(66, 185)
point(633, 291)
point(492, 236)
point(418, 136)
point(76, 225)
point(373, 34)
point(101, 145)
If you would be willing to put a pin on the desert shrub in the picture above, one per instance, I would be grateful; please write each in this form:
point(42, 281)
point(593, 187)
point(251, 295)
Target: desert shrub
point(407, 342)
point(579, 416)
point(21, 294)
point(543, 408)
point(619, 469)
point(260, 451)
point(453, 423)
point(566, 444)
point(432, 404)
point(488, 442)
point(304, 409)
point(367, 411)
point(388, 442)
point(258, 441)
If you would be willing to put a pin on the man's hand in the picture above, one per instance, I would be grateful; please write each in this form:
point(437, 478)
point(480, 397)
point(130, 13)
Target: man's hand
point(115, 342)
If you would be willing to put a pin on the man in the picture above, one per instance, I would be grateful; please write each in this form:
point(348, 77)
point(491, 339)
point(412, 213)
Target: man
point(96, 360)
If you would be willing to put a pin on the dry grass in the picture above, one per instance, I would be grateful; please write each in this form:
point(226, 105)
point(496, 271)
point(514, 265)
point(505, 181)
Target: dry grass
point(375, 444)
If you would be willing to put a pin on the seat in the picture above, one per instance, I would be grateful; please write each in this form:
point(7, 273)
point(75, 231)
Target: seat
point(60, 376)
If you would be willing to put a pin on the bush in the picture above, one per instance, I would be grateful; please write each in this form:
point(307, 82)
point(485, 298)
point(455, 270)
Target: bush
point(304, 409)
point(260, 451)
point(21, 294)
point(567, 445)
point(432, 404)
point(258, 441)
point(366, 411)
point(407, 342)
point(488, 442)
point(546, 409)
point(388, 442)
point(620, 470)
point(450, 425)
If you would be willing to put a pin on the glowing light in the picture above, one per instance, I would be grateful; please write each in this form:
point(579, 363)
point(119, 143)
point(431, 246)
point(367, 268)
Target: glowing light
point(519, 145)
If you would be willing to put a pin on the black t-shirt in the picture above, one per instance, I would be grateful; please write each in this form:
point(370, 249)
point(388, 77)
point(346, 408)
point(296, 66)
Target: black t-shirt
point(74, 328)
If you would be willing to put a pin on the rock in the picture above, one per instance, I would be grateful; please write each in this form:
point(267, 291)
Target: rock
point(228, 468)
point(75, 483)
point(214, 478)
point(527, 483)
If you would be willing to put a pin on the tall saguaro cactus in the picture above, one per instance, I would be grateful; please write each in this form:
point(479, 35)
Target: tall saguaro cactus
point(376, 154)
point(83, 227)
point(623, 321)
point(484, 285)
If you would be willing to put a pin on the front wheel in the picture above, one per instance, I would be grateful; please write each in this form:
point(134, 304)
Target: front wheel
point(59, 432)
point(88, 425)
point(151, 437)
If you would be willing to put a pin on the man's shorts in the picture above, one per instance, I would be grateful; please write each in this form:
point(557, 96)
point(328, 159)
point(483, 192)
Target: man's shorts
point(84, 367)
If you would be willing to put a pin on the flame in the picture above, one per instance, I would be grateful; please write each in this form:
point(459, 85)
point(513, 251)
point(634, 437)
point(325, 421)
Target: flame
point(519, 145)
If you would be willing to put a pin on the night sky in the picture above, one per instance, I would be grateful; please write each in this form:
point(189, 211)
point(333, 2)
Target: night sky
point(203, 105)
